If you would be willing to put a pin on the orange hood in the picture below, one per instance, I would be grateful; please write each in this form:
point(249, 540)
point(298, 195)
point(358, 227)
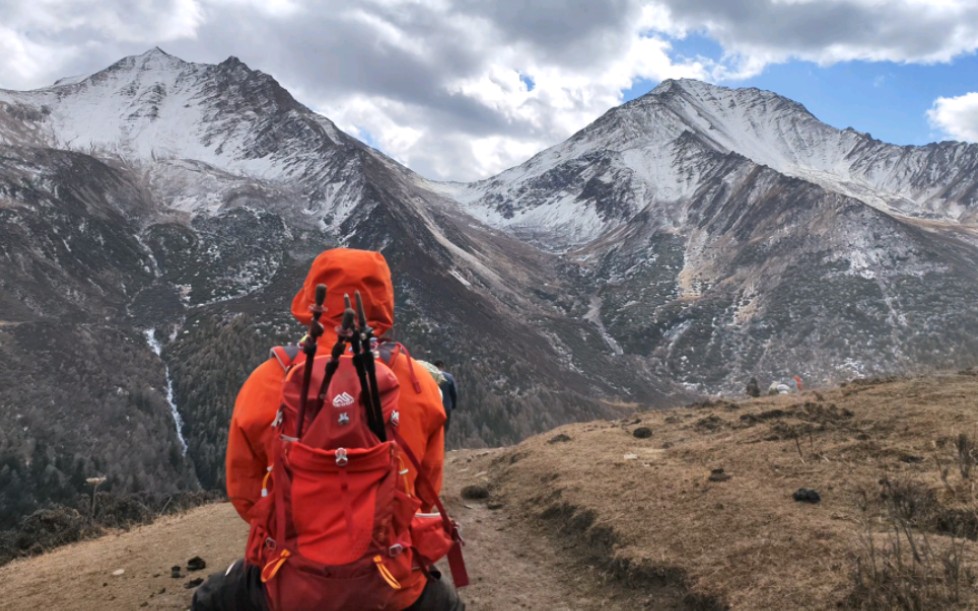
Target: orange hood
point(345, 270)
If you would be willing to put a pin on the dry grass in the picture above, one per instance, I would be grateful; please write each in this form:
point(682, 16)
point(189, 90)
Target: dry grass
point(893, 461)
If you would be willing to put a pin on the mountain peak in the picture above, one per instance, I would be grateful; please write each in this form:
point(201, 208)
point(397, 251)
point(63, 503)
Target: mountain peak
point(703, 90)
point(233, 60)
point(681, 84)
point(155, 59)
point(234, 66)
point(155, 52)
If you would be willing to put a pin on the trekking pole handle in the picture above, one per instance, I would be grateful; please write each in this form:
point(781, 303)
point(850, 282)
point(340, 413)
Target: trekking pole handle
point(315, 328)
point(320, 298)
point(317, 309)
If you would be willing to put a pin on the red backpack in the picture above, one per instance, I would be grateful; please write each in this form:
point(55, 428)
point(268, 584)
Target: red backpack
point(337, 526)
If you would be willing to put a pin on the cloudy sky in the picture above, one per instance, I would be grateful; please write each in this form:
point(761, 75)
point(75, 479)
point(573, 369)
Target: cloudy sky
point(461, 89)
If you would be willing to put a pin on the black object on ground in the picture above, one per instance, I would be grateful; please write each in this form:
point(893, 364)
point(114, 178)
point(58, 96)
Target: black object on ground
point(642, 432)
point(175, 572)
point(193, 583)
point(804, 495)
point(559, 438)
point(475, 492)
point(196, 564)
point(719, 475)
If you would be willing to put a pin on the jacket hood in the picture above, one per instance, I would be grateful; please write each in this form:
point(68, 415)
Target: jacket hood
point(344, 271)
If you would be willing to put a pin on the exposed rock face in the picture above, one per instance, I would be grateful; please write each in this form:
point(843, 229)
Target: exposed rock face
point(680, 244)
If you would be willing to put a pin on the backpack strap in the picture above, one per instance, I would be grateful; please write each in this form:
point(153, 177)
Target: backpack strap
point(460, 576)
point(285, 355)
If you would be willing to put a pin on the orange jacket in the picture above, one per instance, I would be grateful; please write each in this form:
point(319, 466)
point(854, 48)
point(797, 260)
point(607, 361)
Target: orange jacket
point(422, 416)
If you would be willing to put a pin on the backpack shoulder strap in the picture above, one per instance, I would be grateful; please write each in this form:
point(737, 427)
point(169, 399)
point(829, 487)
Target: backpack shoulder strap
point(285, 355)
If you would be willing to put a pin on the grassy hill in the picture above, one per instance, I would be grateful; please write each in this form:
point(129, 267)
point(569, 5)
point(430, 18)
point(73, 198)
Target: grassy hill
point(704, 505)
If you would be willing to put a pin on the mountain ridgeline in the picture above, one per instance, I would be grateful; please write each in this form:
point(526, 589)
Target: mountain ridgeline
point(677, 246)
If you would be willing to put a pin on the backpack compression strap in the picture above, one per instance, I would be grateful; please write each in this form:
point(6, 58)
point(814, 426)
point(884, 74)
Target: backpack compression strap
point(460, 576)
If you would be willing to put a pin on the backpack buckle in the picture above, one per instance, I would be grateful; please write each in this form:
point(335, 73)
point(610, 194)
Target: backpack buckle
point(341, 458)
point(395, 550)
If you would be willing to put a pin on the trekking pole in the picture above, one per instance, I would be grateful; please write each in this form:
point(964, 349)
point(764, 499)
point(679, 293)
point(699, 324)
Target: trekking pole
point(309, 348)
point(365, 399)
point(343, 334)
point(367, 334)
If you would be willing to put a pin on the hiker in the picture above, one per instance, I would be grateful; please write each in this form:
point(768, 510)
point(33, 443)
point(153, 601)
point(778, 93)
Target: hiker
point(449, 396)
point(753, 388)
point(255, 448)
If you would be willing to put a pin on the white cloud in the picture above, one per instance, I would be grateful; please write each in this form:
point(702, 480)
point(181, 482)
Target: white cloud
point(24, 59)
point(437, 83)
point(756, 33)
point(956, 117)
point(59, 23)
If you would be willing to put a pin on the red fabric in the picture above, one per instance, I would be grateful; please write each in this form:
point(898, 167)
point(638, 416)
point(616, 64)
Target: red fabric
point(429, 537)
point(322, 521)
point(345, 271)
point(333, 525)
point(421, 414)
point(428, 543)
point(250, 433)
point(422, 426)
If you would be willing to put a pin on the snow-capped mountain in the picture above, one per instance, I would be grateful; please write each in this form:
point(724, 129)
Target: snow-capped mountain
point(677, 246)
point(654, 152)
point(729, 232)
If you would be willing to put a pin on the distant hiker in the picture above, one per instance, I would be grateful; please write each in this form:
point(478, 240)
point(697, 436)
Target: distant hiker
point(753, 389)
point(798, 383)
point(331, 454)
point(449, 394)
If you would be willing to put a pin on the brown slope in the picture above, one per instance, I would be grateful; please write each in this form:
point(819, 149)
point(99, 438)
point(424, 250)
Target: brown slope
point(593, 517)
point(646, 509)
point(511, 566)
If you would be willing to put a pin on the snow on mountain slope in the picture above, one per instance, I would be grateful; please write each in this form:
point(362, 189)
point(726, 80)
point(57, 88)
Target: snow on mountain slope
point(655, 150)
point(777, 132)
point(157, 108)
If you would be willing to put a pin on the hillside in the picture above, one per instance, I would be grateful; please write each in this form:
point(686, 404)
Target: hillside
point(670, 250)
point(697, 514)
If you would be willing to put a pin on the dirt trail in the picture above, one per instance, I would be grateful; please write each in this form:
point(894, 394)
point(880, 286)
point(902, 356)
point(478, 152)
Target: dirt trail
point(511, 566)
